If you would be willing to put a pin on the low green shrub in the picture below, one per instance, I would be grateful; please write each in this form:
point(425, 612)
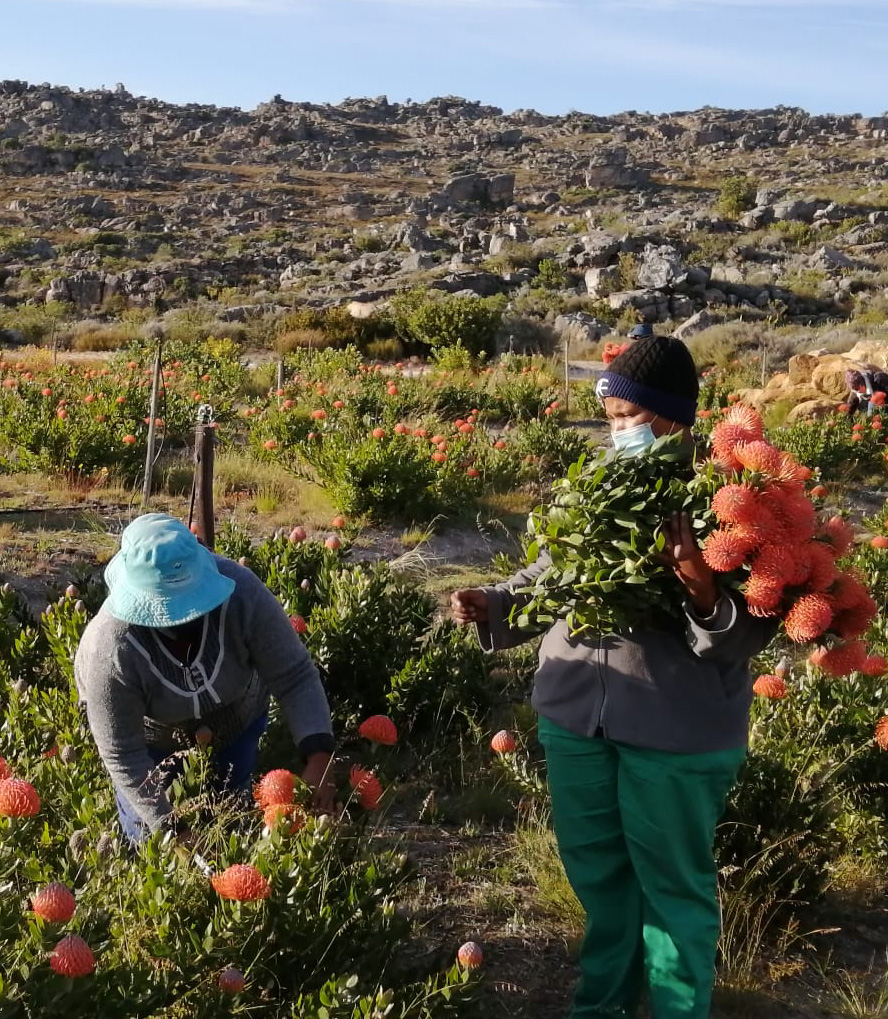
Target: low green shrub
point(737, 195)
point(444, 321)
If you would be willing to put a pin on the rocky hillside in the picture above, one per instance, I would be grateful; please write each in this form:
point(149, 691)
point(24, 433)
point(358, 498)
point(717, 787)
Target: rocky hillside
point(110, 201)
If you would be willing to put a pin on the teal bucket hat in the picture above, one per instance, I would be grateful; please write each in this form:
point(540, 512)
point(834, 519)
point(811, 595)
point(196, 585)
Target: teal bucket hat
point(162, 575)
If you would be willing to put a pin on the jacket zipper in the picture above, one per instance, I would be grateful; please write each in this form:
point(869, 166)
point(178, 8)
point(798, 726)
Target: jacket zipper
point(601, 711)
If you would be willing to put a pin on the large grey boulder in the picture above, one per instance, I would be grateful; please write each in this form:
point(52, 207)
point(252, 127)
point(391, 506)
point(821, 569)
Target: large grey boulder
point(695, 324)
point(82, 289)
point(417, 260)
point(828, 259)
point(501, 189)
point(480, 284)
point(475, 187)
point(756, 218)
point(599, 248)
point(651, 304)
point(661, 267)
point(289, 277)
point(602, 281)
point(795, 210)
point(610, 167)
point(580, 327)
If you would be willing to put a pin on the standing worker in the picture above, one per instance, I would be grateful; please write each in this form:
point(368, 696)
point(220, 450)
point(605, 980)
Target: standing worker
point(644, 733)
point(187, 649)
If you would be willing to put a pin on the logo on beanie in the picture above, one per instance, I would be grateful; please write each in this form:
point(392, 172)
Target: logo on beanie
point(601, 388)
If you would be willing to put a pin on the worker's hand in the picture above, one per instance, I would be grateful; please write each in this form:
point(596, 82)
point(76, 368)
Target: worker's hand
point(683, 554)
point(469, 606)
point(318, 776)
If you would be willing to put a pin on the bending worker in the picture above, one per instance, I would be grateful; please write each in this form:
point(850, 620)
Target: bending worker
point(187, 648)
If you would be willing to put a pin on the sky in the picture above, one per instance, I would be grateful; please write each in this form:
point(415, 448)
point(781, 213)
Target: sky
point(598, 56)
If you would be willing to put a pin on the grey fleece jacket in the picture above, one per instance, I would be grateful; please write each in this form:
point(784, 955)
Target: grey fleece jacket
point(137, 694)
point(687, 690)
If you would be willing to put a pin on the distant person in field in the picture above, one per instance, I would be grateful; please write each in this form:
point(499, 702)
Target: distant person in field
point(644, 734)
point(186, 650)
point(867, 387)
point(641, 332)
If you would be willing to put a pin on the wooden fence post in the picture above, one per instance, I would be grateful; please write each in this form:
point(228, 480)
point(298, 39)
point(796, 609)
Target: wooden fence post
point(201, 519)
point(152, 418)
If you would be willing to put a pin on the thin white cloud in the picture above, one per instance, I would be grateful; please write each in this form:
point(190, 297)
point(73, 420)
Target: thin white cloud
point(285, 6)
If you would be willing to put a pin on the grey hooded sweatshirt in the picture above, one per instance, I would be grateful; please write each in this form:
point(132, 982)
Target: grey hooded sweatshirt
point(686, 690)
point(139, 695)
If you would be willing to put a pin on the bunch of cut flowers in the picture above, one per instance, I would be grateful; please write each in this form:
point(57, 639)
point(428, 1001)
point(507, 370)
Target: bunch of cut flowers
point(753, 517)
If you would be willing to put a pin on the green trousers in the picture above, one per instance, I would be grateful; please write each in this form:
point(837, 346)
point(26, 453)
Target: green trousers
point(635, 831)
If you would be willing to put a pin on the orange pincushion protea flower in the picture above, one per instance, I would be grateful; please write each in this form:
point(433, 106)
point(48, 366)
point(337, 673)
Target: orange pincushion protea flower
point(854, 622)
point(848, 592)
point(724, 550)
point(791, 472)
point(773, 565)
point(763, 597)
point(278, 786)
point(854, 607)
point(840, 660)
point(794, 511)
point(748, 419)
point(772, 687)
point(242, 883)
point(823, 566)
point(809, 618)
point(379, 729)
point(290, 816)
point(5, 770)
point(764, 528)
point(231, 980)
point(366, 787)
point(503, 742)
point(759, 456)
point(875, 665)
point(839, 534)
point(54, 903)
point(735, 504)
point(470, 955)
point(18, 798)
point(725, 439)
point(881, 733)
point(72, 957)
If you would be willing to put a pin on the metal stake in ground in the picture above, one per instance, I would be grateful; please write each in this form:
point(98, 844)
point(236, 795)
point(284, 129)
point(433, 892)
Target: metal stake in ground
point(152, 418)
point(566, 374)
point(201, 517)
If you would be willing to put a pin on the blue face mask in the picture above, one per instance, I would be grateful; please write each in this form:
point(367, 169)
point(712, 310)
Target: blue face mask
point(633, 441)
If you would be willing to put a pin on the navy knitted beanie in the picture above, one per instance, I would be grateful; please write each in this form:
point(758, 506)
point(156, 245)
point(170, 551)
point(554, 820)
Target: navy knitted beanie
point(657, 373)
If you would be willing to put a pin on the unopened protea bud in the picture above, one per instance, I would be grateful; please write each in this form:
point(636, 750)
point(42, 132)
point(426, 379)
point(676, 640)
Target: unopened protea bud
point(78, 842)
point(105, 845)
point(72, 591)
point(80, 605)
point(243, 561)
point(68, 754)
point(306, 584)
point(20, 686)
point(7, 588)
